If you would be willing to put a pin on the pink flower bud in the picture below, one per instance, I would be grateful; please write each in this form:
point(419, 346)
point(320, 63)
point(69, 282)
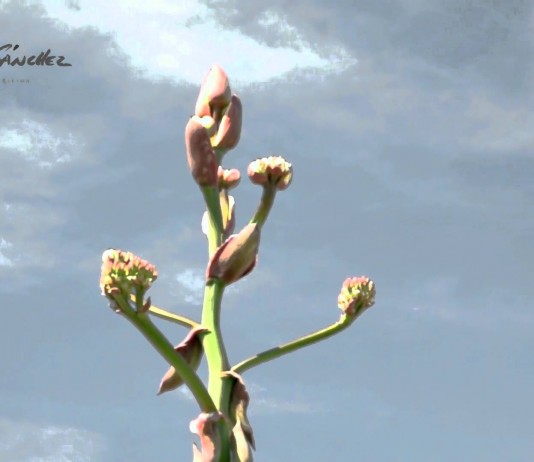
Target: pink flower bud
point(215, 93)
point(228, 179)
point(205, 426)
point(236, 257)
point(356, 295)
point(191, 350)
point(230, 126)
point(273, 170)
point(125, 274)
point(200, 155)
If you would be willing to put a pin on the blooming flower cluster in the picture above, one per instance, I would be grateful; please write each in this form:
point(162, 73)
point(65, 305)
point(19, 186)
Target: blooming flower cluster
point(124, 273)
point(356, 295)
point(273, 170)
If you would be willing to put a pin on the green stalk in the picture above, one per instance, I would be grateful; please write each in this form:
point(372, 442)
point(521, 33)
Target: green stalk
point(273, 353)
point(213, 341)
point(143, 323)
point(266, 203)
point(217, 360)
point(215, 231)
point(171, 317)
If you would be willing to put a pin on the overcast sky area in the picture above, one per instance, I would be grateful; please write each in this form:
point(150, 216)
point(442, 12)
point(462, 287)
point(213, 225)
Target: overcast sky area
point(410, 128)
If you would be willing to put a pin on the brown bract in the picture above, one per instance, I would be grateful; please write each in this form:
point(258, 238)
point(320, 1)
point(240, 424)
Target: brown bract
point(191, 350)
point(236, 257)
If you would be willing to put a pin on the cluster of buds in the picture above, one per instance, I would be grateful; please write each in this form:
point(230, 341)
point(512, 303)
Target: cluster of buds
point(124, 274)
point(272, 170)
point(356, 295)
point(215, 127)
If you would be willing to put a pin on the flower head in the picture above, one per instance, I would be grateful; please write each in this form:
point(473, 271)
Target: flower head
point(273, 170)
point(356, 295)
point(124, 273)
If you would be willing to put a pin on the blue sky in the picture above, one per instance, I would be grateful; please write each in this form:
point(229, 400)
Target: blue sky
point(410, 128)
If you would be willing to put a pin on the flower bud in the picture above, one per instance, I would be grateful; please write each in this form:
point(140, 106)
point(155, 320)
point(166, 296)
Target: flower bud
point(191, 350)
point(215, 93)
point(230, 126)
point(205, 426)
point(123, 273)
point(228, 178)
point(200, 155)
point(273, 170)
point(236, 257)
point(356, 295)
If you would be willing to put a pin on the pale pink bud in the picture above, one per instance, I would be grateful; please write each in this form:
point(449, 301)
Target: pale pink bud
point(191, 350)
point(205, 426)
point(228, 178)
point(200, 155)
point(356, 295)
point(230, 126)
point(215, 93)
point(273, 170)
point(236, 257)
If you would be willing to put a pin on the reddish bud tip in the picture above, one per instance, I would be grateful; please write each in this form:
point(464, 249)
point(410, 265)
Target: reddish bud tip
point(215, 93)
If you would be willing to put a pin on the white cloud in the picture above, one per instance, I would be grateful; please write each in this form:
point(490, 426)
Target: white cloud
point(192, 284)
point(37, 143)
point(5, 261)
point(180, 40)
point(29, 442)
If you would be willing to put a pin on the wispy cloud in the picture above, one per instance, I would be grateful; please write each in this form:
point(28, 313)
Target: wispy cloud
point(181, 39)
point(4, 260)
point(37, 143)
point(30, 442)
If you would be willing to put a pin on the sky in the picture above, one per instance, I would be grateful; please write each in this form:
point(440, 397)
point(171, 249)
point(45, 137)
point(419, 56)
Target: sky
point(410, 129)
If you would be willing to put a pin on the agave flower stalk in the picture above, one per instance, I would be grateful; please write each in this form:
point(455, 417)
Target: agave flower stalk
point(224, 431)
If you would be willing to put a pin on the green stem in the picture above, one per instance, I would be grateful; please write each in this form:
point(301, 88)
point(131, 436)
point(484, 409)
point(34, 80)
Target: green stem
point(213, 341)
point(273, 353)
point(266, 203)
point(219, 152)
point(215, 231)
point(171, 317)
point(143, 323)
